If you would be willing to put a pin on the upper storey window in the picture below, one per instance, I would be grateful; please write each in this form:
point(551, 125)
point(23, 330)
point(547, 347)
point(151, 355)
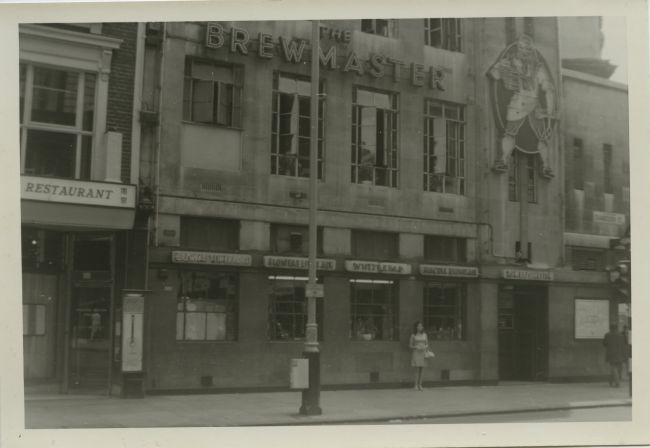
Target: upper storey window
point(57, 109)
point(212, 93)
point(443, 33)
point(380, 27)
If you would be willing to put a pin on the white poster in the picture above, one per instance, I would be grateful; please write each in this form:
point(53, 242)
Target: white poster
point(591, 318)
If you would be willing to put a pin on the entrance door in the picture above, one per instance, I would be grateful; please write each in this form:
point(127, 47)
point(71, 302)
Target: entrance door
point(90, 337)
point(523, 333)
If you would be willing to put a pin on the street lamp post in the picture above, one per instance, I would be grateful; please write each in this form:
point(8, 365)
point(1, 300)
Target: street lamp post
point(311, 395)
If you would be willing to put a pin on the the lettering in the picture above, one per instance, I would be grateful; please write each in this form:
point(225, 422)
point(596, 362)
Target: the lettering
point(329, 59)
point(292, 51)
point(30, 186)
point(239, 40)
point(397, 65)
point(214, 36)
point(265, 49)
point(376, 65)
point(39, 188)
point(417, 74)
point(436, 76)
point(353, 64)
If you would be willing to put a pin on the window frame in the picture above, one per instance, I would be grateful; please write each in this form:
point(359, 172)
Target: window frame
point(231, 315)
point(236, 95)
point(457, 245)
point(291, 229)
point(513, 177)
point(184, 230)
point(455, 151)
point(580, 260)
point(356, 330)
point(608, 181)
point(298, 165)
point(389, 138)
point(372, 26)
point(82, 131)
point(458, 310)
point(448, 37)
point(301, 301)
point(356, 235)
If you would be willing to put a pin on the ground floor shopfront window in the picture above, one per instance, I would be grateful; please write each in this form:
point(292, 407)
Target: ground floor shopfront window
point(288, 309)
point(444, 310)
point(207, 306)
point(374, 310)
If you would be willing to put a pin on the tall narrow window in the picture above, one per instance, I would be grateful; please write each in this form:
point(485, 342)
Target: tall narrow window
point(607, 169)
point(212, 93)
point(513, 176)
point(374, 138)
point(444, 147)
point(443, 33)
point(578, 168)
point(57, 121)
point(291, 127)
point(444, 310)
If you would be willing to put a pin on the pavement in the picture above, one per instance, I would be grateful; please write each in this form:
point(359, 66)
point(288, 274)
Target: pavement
point(339, 407)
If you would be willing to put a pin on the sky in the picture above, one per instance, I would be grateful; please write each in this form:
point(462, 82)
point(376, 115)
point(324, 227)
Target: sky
point(615, 47)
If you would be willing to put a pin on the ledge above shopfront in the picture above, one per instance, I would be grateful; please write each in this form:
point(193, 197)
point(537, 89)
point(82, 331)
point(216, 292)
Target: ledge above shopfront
point(77, 204)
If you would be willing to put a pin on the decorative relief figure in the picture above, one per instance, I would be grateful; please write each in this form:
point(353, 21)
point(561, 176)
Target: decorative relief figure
point(524, 99)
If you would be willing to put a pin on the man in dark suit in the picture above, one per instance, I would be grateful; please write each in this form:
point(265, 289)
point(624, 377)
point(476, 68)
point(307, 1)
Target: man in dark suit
point(615, 353)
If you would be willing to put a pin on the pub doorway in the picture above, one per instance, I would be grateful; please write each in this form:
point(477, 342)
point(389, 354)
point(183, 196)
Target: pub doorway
point(523, 332)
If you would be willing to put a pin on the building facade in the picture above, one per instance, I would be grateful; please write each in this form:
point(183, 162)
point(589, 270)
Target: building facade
point(443, 177)
point(79, 158)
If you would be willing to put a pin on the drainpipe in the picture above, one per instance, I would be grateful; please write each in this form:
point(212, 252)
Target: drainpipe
point(161, 81)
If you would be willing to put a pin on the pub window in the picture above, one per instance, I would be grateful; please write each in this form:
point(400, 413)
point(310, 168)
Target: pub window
point(380, 27)
point(294, 240)
point(374, 138)
point(444, 248)
point(212, 93)
point(444, 147)
point(288, 309)
point(578, 165)
point(207, 306)
point(374, 310)
point(608, 187)
point(444, 310)
point(291, 126)
point(57, 110)
point(375, 245)
point(443, 33)
point(209, 233)
point(42, 250)
point(587, 259)
point(513, 176)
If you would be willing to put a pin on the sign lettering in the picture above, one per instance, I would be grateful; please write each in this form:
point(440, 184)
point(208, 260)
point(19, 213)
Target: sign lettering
point(374, 267)
point(449, 271)
point(518, 274)
point(77, 192)
point(211, 258)
point(322, 264)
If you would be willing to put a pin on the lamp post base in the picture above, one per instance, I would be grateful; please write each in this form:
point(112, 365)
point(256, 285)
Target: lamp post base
point(311, 396)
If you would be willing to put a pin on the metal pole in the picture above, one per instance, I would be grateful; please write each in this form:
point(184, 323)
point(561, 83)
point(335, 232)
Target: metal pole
point(311, 396)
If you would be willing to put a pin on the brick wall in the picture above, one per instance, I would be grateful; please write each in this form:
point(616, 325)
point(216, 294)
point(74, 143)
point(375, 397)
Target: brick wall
point(120, 89)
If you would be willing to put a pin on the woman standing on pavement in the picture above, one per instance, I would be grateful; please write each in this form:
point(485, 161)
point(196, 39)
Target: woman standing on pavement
point(419, 345)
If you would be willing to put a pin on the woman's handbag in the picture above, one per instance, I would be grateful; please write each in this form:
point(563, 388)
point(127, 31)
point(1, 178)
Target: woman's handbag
point(429, 354)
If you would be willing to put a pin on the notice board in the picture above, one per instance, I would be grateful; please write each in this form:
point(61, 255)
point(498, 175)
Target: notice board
point(591, 318)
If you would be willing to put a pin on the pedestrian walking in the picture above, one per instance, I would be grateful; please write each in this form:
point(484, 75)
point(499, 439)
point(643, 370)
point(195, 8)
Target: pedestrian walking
point(419, 345)
point(615, 353)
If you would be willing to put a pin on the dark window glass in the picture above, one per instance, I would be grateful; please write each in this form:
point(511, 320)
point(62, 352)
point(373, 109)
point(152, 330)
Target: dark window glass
point(444, 248)
point(443, 33)
point(513, 176)
point(288, 309)
point(50, 154)
point(380, 27)
point(92, 255)
point(375, 245)
point(42, 250)
point(207, 306)
point(209, 234)
point(54, 96)
point(294, 240)
point(608, 187)
point(374, 310)
point(588, 259)
point(444, 312)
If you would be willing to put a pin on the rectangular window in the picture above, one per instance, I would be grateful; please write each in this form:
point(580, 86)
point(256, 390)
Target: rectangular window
point(209, 234)
point(207, 306)
point(444, 147)
point(578, 165)
point(380, 27)
point(288, 309)
point(294, 240)
point(374, 310)
point(520, 256)
point(444, 310)
point(375, 245)
point(212, 93)
point(42, 250)
point(583, 259)
point(608, 187)
point(445, 248)
point(513, 176)
point(57, 110)
point(443, 33)
point(374, 138)
point(291, 126)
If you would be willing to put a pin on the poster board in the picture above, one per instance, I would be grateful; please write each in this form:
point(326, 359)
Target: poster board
point(591, 318)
